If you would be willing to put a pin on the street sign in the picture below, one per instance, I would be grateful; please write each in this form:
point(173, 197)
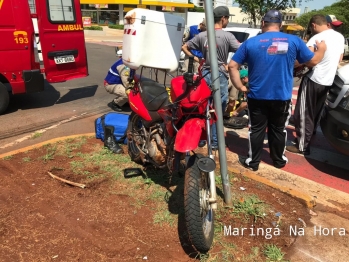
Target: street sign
point(101, 5)
point(86, 21)
point(168, 8)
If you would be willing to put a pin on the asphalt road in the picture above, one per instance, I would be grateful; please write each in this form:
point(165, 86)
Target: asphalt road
point(76, 98)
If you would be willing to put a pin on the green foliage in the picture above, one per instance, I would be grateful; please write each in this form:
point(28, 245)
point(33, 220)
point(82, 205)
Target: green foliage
point(256, 9)
point(339, 9)
point(94, 27)
point(196, 9)
point(273, 253)
point(116, 26)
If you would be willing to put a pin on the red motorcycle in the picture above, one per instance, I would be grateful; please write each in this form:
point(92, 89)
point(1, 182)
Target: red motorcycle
point(164, 131)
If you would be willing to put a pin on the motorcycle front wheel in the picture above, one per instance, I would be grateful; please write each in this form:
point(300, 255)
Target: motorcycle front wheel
point(199, 214)
point(135, 138)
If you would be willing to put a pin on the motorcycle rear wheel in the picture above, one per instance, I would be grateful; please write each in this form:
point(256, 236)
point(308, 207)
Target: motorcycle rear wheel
point(132, 136)
point(199, 215)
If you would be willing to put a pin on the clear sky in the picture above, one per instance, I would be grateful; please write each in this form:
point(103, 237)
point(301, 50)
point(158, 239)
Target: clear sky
point(315, 4)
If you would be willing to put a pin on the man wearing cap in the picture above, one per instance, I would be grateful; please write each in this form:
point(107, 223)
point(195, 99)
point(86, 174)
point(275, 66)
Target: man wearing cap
point(189, 34)
point(116, 83)
point(316, 83)
point(333, 23)
point(271, 58)
point(226, 42)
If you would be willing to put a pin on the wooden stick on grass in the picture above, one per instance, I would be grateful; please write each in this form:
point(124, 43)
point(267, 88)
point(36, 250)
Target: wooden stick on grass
point(67, 181)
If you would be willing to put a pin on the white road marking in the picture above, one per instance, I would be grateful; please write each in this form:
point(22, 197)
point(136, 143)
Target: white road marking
point(40, 131)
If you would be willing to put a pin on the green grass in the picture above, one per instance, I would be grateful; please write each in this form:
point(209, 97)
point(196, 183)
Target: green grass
point(273, 253)
point(36, 135)
point(116, 26)
point(164, 217)
point(50, 153)
point(249, 205)
point(26, 159)
point(7, 157)
point(94, 27)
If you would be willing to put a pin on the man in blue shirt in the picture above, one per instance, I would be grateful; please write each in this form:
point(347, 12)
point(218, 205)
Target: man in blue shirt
point(116, 83)
point(189, 34)
point(271, 58)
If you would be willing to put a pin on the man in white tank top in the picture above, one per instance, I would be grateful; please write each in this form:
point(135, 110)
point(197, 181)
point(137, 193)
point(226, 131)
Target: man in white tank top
point(316, 83)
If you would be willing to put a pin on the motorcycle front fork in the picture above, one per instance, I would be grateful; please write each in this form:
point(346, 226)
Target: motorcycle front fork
point(212, 177)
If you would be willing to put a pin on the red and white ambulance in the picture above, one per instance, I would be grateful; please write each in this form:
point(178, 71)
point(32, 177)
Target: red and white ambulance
point(62, 44)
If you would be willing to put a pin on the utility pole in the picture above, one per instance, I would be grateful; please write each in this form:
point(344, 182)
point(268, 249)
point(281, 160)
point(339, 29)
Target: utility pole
point(211, 35)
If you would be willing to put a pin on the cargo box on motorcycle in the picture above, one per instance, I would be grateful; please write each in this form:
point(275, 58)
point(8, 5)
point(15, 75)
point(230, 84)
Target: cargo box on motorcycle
point(152, 39)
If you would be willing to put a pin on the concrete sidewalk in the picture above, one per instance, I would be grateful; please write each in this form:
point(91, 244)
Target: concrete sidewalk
point(111, 37)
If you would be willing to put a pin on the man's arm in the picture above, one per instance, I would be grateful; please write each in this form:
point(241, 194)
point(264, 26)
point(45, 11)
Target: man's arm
point(318, 53)
point(186, 35)
point(235, 76)
point(124, 73)
point(234, 44)
point(192, 44)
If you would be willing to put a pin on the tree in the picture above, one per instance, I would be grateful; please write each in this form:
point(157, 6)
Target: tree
point(339, 9)
point(255, 9)
point(196, 9)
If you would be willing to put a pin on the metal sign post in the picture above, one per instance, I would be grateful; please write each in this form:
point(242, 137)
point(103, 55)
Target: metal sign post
point(211, 35)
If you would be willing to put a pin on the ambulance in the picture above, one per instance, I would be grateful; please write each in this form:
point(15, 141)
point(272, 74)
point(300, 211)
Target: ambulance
point(62, 46)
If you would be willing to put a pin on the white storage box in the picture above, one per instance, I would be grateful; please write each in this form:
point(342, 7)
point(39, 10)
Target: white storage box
point(152, 39)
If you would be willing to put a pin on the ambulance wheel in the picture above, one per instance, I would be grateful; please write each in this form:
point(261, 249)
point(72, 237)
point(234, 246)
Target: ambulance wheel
point(4, 98)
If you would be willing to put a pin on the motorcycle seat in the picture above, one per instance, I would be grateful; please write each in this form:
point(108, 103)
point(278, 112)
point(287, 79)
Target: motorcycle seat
point(154, 95)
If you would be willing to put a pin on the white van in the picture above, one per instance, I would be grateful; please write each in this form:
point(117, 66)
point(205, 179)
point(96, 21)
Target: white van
point(242, 34)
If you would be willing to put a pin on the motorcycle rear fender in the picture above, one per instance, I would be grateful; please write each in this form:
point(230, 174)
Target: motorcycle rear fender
point(188, 137)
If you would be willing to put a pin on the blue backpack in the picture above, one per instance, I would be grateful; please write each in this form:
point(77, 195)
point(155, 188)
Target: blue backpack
point(117, 121)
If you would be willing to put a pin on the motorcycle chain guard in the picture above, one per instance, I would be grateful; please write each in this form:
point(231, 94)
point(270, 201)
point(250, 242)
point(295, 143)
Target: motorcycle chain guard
point(206, 164)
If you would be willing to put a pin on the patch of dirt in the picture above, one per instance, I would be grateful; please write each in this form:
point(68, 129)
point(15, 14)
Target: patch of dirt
point(118, 219)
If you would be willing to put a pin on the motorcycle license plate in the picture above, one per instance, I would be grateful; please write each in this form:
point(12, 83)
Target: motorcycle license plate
point(64, 59)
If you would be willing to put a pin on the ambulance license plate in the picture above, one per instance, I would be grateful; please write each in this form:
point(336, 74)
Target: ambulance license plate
point(64, 59)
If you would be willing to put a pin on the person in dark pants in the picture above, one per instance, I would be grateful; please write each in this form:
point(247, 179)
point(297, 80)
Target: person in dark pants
point(315, 84)
point(271, 59)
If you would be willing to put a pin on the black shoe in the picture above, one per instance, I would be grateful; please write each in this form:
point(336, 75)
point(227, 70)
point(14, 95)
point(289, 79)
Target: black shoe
point(242, 162)
point(294, 149)
point(214, 147)
point(202, 143)
point(114, 106)
point(110, 141)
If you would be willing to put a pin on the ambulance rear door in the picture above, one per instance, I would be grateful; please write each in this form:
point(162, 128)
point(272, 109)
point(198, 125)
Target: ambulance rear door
point(62, 40)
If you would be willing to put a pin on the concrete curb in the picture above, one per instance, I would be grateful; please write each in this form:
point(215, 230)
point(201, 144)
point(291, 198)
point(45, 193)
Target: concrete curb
point(54, 140)
point(304, 198)
point(300, 196)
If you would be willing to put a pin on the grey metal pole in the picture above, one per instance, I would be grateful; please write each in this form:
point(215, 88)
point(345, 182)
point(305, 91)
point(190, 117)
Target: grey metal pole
point(211, 35)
